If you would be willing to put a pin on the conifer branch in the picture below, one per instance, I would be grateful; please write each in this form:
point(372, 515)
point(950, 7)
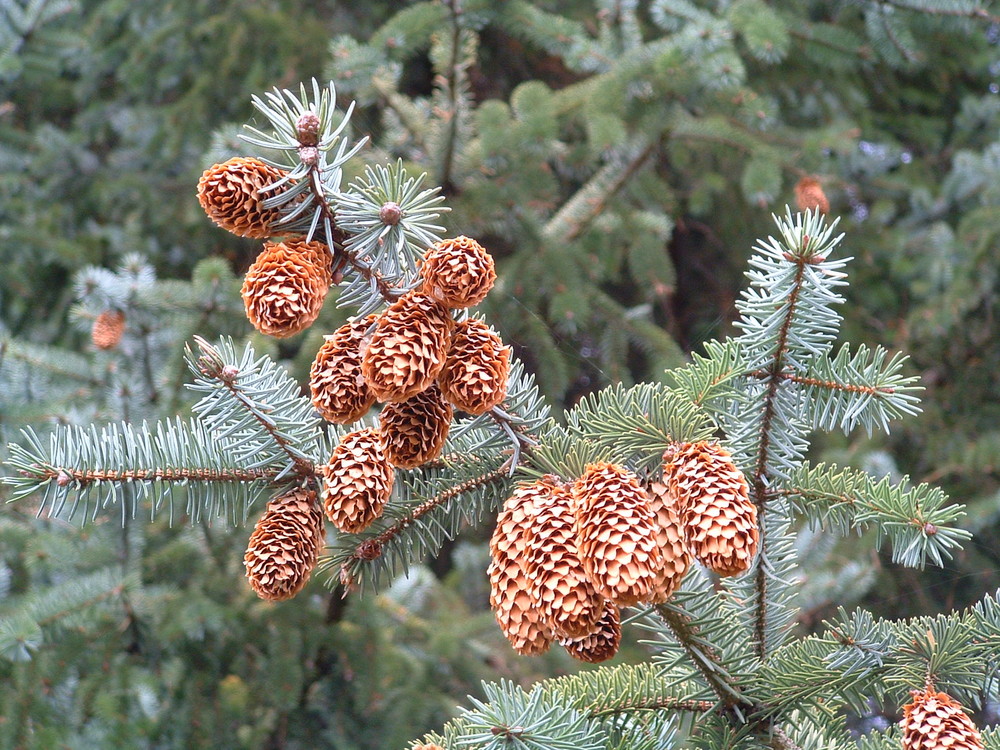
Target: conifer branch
point(657, 704)
point(978, 13)
point(83, 477)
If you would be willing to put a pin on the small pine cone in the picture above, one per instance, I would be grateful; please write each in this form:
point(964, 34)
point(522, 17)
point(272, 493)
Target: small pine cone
point(108, 329)
point(515, 611)
point(601, 644)
point(284, 289)
point(809, 196)
point(230, 195)
point(616, 534)
point(407, 349)
point(933, 720)
point(458, 272)
point(339, 391)
point(415, 430)
point(564, 596)
point(430, 746)
point(675, 558)
point(475, 371)
point(357, 481)
point(720, 522)
point(285, 545)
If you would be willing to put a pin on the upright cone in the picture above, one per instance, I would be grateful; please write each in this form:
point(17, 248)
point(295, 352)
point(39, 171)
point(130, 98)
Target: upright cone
point(415, 430)
point(600, 644)
point(339, 391)
point(674, 556)
point(475, 372)
point(230, 195)
point(284, 289)
point(933, 720)
point(357, 481)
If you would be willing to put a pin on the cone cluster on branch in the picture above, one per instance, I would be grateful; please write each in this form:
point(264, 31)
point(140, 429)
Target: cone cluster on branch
point(108, 329)
point(933, 720)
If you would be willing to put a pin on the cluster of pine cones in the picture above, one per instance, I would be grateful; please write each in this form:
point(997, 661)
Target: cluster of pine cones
point(565, 557)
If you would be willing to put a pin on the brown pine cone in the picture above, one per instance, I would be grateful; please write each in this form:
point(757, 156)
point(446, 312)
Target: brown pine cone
point(415, 430)
point(602, 643)
point(357, 481)
point(431, 746)
point(675, 558)
point(515, 612)
point(230, 195)
point(475, 372)
point(339, 391)
point(720, 522)
point(616, 534)
point(809, 196)
point(933, 720)
point(458, 272)
point(407, 349)
point(284, 289)
point(108, 329)
point(565, 597)
point(285, 545)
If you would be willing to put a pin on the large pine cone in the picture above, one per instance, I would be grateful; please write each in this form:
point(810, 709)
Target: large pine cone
point(339, 391)
point(675, 558)
point(720, 522)
point(933, 720)
point(415, 430)
point(515, 611)
point(108, 329)
point(230, 195)
point(475, 372)
point(616, 534)
point(357, 481)
point(284, 289)
point(407, 349)
point(285, 545)
point(458, 272)
point(602, 642)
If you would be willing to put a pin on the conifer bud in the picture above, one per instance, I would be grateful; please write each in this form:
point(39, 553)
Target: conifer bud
point(476, 368)
point(307, 129)
point(415, 430)
point(339, 391)
point(357, 481)
point(458, 272)
point(230, 195)
point(284, 289)
point(674, 555)
point(108, 329)
point(933, 720)
point(600, 644)
point(809, 196)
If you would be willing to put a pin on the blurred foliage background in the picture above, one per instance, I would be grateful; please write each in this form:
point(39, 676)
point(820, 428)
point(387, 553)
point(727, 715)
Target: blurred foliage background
point(618, 158)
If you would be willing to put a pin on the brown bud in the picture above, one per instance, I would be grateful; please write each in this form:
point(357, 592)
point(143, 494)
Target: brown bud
point(307, 129)
point(390, 213)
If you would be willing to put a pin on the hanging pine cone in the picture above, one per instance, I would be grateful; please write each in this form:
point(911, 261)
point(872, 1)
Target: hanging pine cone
point(415, 430)
point(230, 195)
point(616, 535)
point(284, 289)
point(285, 545)
point(339, 391)
point(108, 329)
point(602, 643)
point(809, 196)
point(675, 558)
point(407, 349)
point(357, 481)
point(564, 596)
point(458, 272)
point(720, 522)
point(475, 371)
point(933, 720)
point(515, 612)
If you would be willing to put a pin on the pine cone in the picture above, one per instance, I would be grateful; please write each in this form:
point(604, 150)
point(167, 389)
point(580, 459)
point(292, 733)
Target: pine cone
point(230, 195)
point(339, 391)
point(720, 522)
point(564, 596)
point(616, 534)
point(108, 329)
point(431, 746)
point(458, 272)
point(601, 644)
point(357, 481)
point(285, 545)
point(475, 371)
point(670, 539)
point(415, 430)
point(407, 349)
point(933, 720)
point(809, 196)
point(515, 612)
point(284, 289)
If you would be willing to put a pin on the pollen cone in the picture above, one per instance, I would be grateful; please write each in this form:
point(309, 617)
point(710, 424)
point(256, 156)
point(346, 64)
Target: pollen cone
point(933, 720)
point(284, 289)
point(357, 481)
point(602, 643)
point(458, 272)
point(415, 430)
point(230, 195)
point(339, 391)
point(674, 556)
point(475, 372)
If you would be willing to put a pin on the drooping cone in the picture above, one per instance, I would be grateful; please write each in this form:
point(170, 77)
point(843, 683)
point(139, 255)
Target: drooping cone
point(519, 620)
point(933, 720)
point(407, 349)
point(339, 391)
point(602, 643)
point(108, 328)
point(458, 272)
point(720, 522)
point(284, 289)
point(230, 195)
point(357, 481)
point(285, 545)
point(616, 534)
point(475, 371)
point(415, 430)
point(809, 196)
point(565, 597)
point(674, 556)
